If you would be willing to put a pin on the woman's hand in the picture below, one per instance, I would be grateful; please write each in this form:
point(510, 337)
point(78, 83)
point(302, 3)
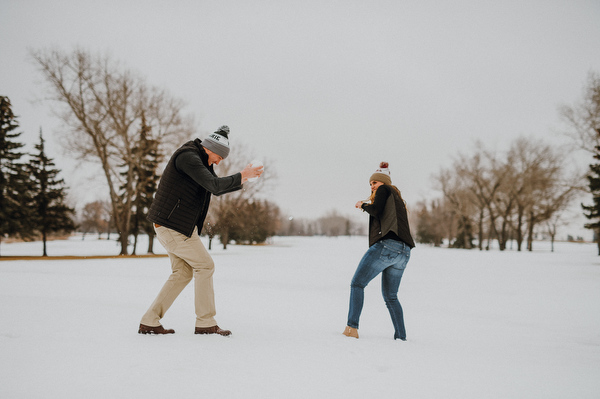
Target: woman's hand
point(359, 204)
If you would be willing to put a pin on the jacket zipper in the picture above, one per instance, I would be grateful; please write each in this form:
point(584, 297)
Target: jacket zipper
point(173, 210)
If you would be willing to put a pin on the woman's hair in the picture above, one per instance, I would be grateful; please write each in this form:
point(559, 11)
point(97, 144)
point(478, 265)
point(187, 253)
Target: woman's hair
point(372, 196)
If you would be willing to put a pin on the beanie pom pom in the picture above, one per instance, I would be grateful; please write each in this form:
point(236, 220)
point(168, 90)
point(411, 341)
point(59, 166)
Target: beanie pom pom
point(384, 165)
point(223, 131)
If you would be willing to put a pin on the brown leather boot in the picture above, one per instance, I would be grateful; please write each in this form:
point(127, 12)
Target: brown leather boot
point(144, 329)
point(212, 330)
point(350, 332)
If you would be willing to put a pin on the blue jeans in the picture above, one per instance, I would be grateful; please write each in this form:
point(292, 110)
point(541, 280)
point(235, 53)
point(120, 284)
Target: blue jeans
point(388, 257)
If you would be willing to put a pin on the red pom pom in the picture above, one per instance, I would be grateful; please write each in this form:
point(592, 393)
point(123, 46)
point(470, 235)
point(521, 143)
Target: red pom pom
point(383, 165)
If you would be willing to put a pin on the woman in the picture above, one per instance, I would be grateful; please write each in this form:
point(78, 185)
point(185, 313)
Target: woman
point(390, 243)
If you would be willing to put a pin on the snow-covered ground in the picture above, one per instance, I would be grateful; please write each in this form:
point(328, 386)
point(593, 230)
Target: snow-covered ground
point(480, 325)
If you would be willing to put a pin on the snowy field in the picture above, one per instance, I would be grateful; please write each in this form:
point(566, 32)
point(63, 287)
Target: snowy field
point(479, 325)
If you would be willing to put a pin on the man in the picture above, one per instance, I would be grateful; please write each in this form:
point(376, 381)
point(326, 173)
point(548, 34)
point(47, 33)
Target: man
point(178, 212)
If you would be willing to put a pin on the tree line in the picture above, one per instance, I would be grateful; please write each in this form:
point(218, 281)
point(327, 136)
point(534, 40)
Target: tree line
point(114, 117)
point(503, 196)
point(509, 195)
point(111, 116)
point(332, 224)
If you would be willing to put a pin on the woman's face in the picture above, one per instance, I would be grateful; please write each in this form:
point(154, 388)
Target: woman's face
point(375, 185)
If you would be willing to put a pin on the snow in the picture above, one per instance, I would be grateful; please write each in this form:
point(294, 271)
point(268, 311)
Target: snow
point(480, 325)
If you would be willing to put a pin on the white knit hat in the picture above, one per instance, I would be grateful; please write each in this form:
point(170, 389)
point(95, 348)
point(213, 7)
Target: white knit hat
point(382, 174)
point(218, 142)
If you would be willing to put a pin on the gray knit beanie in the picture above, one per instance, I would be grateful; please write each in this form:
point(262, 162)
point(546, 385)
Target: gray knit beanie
point(218, 142)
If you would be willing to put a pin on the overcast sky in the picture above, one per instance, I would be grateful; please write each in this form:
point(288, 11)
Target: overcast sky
point(325, 90)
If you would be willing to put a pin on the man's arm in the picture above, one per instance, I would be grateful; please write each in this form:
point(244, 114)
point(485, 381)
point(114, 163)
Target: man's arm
point(190, 163)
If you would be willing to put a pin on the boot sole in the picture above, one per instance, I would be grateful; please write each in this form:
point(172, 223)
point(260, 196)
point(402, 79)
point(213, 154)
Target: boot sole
point(206, 333)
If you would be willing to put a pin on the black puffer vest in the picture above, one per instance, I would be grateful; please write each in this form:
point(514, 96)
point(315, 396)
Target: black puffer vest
point(394, 218)
point(180, 203)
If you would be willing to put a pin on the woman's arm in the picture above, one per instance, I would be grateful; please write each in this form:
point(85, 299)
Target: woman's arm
point(377, 207)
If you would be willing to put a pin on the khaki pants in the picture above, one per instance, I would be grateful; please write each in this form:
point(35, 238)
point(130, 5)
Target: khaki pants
point(189, 259)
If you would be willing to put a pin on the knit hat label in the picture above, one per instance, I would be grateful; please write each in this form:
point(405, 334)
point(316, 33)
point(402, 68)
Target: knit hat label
point(218, 138)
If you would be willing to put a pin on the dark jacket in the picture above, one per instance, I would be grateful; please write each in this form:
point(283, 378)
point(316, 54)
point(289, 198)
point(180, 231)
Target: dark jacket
point(183, 195)
point(388, 217)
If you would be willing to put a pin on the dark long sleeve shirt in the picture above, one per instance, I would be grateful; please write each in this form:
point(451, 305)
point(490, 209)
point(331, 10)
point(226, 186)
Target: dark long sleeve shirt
point(191, 164)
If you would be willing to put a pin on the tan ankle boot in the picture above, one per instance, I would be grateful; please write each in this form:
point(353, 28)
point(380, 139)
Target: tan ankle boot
point(350, 332)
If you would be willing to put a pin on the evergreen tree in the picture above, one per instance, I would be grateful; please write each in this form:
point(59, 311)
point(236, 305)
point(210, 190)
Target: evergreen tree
point(464, 234)
point(15, 193)
point(592, 212)
point(145, 178)
point(51, 212)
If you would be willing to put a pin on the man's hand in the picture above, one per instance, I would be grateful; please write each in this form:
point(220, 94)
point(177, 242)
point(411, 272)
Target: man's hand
point(249, 172)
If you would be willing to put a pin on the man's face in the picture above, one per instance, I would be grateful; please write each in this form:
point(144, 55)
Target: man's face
point(213, 158)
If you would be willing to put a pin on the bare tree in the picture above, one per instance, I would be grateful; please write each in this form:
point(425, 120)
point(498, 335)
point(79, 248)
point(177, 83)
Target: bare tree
point(541, 186)
point(583, 118)
point(529, 186)
point(552, 226)
point(505, 203)
point(101, 104)
point(461, 201)
point(485, 175)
